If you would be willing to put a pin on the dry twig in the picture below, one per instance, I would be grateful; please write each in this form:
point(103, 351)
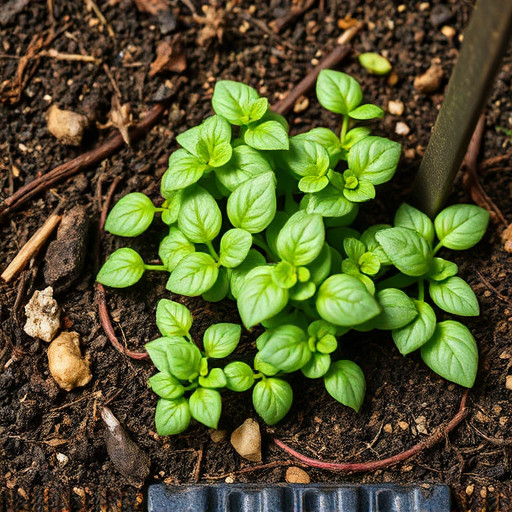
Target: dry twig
point(31, 248)
point(280, 24)
point(359, 467)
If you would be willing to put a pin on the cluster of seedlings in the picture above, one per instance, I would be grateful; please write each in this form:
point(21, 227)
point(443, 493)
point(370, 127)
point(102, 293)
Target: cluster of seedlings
point(262, 218)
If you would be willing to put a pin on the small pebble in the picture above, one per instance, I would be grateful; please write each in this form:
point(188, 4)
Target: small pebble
point(403, 425)
point(508, 382)
point(43, 315)
point(448, 32)
point(430, 81)
point(388, 428)
point(440, 15)
point(229, 480)
point(62, 459)
point(410, 153)
point(395, 107)
point(67, 126)
point(217, 436)
point(483, 492)
point(392, 79)
point(401, 8)
point(246, 440)
point(421, 424)
point(402, 129)
point(301, 104)
point(295, 475)
point(470, 489)
point(424, 6)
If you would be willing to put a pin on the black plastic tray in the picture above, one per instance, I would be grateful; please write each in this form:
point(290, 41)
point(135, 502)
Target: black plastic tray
point(299, 498)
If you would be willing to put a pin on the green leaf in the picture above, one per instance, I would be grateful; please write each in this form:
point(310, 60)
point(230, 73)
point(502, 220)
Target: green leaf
point(369, 240)
point(354, 249)
point(265, 368)
point(172, 318)
point(245, 163)
point(461, 226)
point(205, 406)
point(183, 359)
point(409, 251)
point(286, 348)
point(354, 136)
point(375, 159)
point(301, 239)
point(452, 353)
point(269, 135)
point(184, 170)
point(200, 217)
point(189, 139)
point(214, 380)
point(237, 275)
point(252, 205)
point(166, 386)
point(284, 275)
point(418, 332)
point(239, 375)
point(172, 416)
point(158, 351)
point(398, 310)
point(272, 399)
point(194, 275)
point(259, 297)
point(455, 296)
point(131, 215)
point(408, 217)
point(220, 288)
point(302, 291)
point(234, 247)
point(345, 383)
point(320, 267)
point(375, 63)
point(317, 366)
point(344, 300)
point(215, 141)
point(338, 92)
point(364, 191)
point(172, 206)
point(238, 103)
point(123, 268)
point(311, 184)
point(368, 111)
point(441, 269)
point(174, 247)
point(327, 139)
point(306, 158)
point(329, 202)
point(221, 339)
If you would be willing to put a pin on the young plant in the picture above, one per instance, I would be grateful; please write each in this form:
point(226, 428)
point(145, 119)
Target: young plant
point(263, 219)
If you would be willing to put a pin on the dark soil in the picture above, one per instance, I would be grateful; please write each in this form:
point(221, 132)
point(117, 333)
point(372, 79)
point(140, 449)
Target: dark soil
point(39, 421)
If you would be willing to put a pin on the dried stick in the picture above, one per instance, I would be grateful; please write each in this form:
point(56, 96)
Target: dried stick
point(100, 290)
point(250, 469)
point(281, 23)
point(70, 57)
point(471, 181)
point(31, 248)
point(359, 467)
point(82, 162)
point(306, 84)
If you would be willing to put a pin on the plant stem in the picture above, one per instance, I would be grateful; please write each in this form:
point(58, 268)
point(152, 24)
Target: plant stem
point(160, 209)
point(437, 247)
point(155, 267)
point(344, 129)
point(421, 290)
point(213, 252)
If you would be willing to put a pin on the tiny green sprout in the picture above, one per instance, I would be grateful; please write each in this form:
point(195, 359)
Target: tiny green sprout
point(258, 217)
point(375, 63)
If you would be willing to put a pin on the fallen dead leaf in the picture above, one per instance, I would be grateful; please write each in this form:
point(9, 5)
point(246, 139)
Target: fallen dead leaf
point(169, 57)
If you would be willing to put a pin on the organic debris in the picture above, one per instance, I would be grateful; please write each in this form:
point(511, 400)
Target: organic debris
point(127, 457)
point(169, 57)
point(67, 126)
point(67, 366)
point(43, 315)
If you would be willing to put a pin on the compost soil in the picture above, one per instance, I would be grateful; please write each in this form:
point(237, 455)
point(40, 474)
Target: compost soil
point(52, 442)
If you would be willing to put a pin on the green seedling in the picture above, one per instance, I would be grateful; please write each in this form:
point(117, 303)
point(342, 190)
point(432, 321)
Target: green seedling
point(262, 218)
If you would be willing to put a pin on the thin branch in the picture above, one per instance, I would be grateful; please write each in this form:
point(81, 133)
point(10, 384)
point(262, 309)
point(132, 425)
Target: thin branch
point(81, 162)
point(359, 467)
point(280, 24)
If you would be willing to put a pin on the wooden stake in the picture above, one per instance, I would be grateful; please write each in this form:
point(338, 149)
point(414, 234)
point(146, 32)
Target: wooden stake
point(31, 248)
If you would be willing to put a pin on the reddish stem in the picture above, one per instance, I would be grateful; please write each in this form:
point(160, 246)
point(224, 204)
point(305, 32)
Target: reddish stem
point(359, 467)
